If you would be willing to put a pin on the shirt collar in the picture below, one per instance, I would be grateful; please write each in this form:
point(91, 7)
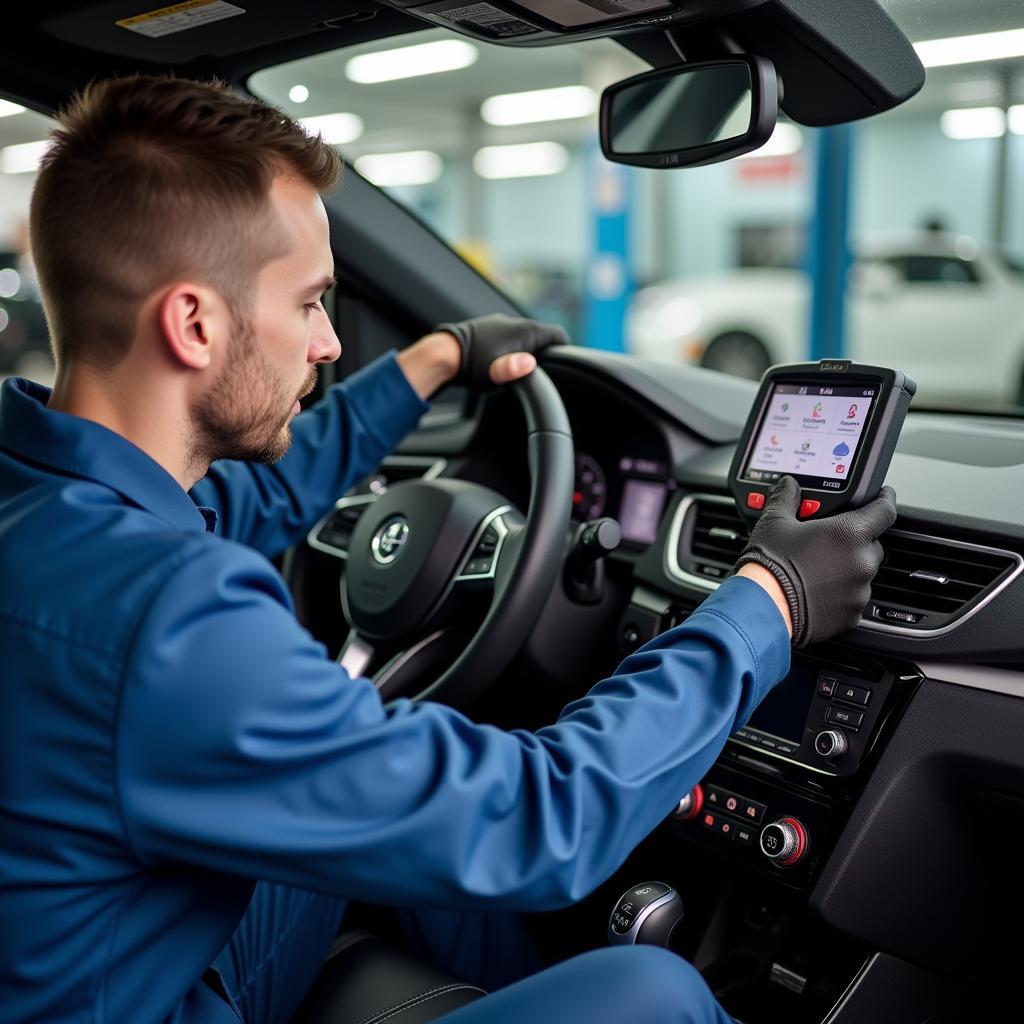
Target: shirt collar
point(79, 447)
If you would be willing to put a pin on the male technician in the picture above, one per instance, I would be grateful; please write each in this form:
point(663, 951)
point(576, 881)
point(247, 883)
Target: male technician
point(170, 736)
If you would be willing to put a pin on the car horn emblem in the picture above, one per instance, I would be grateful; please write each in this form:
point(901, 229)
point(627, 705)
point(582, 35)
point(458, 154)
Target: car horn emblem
point(389, 540)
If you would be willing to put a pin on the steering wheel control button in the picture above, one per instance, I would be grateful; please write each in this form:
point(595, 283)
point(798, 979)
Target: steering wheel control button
point(831, 744)
point(808, 507)
point(784, 841)
point(827, 686)
point(691, 805)
point(756, 500)
point(852, 694)
point(843, 716)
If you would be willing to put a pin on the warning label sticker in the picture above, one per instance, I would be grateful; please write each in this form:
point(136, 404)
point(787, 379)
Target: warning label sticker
point(179, 17)
point(488, 19)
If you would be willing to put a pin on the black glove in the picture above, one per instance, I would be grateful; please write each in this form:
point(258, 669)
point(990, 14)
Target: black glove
point(484, 338)
point(824, 566)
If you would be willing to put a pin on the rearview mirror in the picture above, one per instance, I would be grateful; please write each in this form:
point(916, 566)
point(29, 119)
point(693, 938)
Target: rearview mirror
point(691, 114)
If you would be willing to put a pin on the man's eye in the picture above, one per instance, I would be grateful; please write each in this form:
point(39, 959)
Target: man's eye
point(312, 306)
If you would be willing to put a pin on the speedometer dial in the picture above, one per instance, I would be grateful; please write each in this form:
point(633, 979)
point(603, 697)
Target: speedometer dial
point(590, 494)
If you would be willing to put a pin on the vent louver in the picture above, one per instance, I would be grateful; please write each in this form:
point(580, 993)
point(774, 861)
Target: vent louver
point(926, 584)
point(711, 538)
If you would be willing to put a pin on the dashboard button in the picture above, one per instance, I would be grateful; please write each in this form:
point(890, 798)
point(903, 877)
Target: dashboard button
point(852, 694)
point(744, 834)
point(842, 716)
point(753, 811)
point(808, 507)
point(755, 500)
point(827, 686)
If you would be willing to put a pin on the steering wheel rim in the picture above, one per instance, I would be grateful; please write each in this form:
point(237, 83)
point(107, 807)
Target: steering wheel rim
point(520, 597)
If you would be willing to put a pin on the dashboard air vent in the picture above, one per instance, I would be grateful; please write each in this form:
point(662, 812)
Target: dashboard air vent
point(926, 583)
point(710, 538)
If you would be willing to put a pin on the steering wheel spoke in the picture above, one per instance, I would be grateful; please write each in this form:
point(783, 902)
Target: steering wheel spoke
point(333, 533)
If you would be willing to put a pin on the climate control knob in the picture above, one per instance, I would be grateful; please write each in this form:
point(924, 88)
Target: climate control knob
point(690, 806)
point(785, 842)
point(831, 744)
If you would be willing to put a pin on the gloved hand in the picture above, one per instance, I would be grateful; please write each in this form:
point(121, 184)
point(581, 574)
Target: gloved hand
point(484, 338)
point(824, 566)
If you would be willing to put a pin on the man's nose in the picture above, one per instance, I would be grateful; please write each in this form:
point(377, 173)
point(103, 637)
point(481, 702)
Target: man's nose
point(325, 346)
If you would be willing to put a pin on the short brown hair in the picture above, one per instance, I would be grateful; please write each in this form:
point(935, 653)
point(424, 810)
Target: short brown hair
point(152, 179)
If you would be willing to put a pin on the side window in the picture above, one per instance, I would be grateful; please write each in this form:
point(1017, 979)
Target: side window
point(924, 269)
point(24, 341)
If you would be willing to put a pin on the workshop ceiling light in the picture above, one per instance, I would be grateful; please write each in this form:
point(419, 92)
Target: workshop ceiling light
point(414, 167)
point(22, 158)
point(539, 105)
point(938, 53)
point(974, 123)
point(786, 140)
point(1015, 119)
point(335, 129)
point(7, 108)
point(298, 94)
point(411, 61)
point(527, 160)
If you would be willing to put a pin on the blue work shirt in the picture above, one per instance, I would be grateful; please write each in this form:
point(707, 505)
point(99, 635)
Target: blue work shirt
point(169, 734)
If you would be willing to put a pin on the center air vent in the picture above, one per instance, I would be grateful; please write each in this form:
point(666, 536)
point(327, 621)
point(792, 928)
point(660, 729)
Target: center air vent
point(707, 537)
point(927, 584)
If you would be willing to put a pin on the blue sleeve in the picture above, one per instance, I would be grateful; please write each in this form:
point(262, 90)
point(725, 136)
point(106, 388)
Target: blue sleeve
point(334, 443)
point(243, 749)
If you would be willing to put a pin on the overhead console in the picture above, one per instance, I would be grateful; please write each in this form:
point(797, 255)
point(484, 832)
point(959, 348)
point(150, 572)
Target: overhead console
point(838, 62)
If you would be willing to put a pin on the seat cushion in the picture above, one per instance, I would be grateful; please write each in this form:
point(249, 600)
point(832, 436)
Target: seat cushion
point(366, 980)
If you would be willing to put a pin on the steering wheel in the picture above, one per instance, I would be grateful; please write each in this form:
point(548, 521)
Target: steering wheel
point(424, 545)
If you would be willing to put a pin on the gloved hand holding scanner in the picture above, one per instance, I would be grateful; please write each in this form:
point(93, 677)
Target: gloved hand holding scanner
point(807, 475)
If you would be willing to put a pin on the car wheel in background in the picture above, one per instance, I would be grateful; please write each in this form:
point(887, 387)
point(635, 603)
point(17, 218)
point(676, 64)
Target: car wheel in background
point(737, 353)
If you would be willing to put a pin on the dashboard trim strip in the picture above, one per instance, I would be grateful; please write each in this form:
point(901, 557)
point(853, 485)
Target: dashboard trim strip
point(977, 677)
point(676, 572)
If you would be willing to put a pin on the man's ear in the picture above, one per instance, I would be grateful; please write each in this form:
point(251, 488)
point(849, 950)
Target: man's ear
point(193, 320)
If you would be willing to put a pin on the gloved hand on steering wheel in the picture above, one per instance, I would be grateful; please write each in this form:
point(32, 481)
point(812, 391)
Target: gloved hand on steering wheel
point(824, 566)
point(485, 338)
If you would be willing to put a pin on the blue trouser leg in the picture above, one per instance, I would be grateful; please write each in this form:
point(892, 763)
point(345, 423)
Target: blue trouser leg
point(638, 984)
point(277, 951)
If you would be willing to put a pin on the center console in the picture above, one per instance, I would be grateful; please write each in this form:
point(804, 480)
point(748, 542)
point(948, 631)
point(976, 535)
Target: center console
point(783, 787)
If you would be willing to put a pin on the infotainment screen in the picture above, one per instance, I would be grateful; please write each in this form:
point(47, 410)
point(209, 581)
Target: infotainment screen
point(783, 712)
point(811, 432)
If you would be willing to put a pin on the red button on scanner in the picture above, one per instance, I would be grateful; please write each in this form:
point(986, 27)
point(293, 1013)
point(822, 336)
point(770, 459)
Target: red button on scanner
point(755, 500)
point(808, 507)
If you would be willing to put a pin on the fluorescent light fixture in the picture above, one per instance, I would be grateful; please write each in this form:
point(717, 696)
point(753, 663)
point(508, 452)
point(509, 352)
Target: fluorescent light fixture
point(411, 61)
point(7, 108)
point(531, 159)
point(10, 283)
point(786, 140)
point(938, 53)
point(298, 94)
point(413, 167)
point(539, 105)
point(974, 123)
point(336, 129)
point(22, 158)
point(1015, 117)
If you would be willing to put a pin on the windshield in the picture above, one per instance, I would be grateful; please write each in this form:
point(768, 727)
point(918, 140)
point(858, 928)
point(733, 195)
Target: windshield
point(708, 265)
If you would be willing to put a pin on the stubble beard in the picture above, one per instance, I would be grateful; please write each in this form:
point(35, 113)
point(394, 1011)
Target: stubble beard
point(246, 413)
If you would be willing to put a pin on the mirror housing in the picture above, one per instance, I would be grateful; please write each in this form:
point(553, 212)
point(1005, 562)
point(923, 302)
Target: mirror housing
point(686, 115)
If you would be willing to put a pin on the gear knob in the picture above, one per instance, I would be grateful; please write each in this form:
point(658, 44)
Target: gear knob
point(646, 913)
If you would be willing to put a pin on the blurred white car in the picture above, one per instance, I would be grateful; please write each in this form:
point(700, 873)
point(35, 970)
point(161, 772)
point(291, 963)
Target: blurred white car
point(949, 314)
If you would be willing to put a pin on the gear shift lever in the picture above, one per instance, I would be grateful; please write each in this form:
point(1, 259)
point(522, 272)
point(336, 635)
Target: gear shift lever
point(646, 913)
